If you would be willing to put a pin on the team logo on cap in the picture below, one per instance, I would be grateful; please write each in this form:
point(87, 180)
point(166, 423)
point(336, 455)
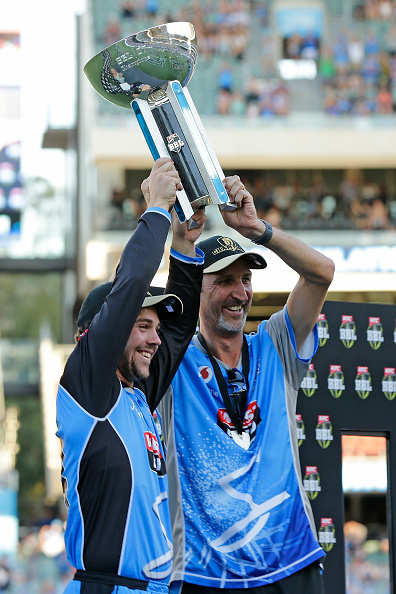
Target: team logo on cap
point(363, 382)
point(389, 383)
point(324, 431)
point(175, 143)
point(326, 534)
point(335, 381)
point(348, 331)
point(311, 482)
point(323, 329)
point(156, 460)
point(300, 429)
point(375, 333)
point(309, 383)
point(226, 245)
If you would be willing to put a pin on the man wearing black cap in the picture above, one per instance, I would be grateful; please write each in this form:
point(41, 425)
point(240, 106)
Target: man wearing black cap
point(131, 339)
point(241, 518)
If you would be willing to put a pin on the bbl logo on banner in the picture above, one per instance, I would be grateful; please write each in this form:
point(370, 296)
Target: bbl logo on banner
point(300, 429)
point(324, 431)
point(309, 383)
point(323, 329)
point(389, 383)
point(326, 534)
point(312, 482)
point(335, 381)
point(348, 331)
point(363, 382)
point(375, 333)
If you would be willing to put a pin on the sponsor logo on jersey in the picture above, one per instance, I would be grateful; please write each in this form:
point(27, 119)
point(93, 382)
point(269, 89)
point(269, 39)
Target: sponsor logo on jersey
point(348, 335)
point(309, 383)
point(326, 534)
point(375, 333)
point(311, 482)
point(324, 431)
point(335, 381)
point(175, 143)
point(300, 429)
point(250, 423)
point(323, 330)
point(156, 460)
point(389, 383)
point(363, 382)
point(206, 373)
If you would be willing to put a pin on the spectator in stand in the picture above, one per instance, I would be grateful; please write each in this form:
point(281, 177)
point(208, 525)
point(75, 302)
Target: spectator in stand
point(252, 98)
point(326, 65)
point(127, 9)
point(384, 100)
point(355, 52)
point(226, 77)
point(385, 10)
point(223, 102)
point(340, 53)
point(310, 47)
point(372, 44)
point(280, 99)
point(377, 217)
point(238, 104)
point(152, 7)
point(112, 31)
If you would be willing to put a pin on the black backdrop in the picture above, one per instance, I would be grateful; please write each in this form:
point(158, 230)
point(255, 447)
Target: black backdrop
point(350, 388)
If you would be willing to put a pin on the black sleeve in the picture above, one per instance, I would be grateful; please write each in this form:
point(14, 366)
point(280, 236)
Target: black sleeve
point(90, 373)
point(184, 281)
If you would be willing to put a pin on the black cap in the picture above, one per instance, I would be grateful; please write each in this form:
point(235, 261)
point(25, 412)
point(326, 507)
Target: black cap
point(222, 251)
point(167, 305)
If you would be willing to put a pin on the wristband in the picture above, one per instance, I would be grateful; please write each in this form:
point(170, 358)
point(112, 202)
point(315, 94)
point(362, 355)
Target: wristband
point(266, 235)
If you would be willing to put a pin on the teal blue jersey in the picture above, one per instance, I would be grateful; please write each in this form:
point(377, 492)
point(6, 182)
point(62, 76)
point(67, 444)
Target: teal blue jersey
point(244, 520)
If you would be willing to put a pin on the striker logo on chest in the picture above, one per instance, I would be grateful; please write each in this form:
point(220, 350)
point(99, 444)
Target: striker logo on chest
point(251, 420)
point(156, 460)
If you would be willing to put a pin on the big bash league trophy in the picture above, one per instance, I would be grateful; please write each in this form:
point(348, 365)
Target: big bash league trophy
point(148, 72)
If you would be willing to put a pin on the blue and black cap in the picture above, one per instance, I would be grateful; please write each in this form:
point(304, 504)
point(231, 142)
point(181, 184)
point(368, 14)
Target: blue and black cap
point(167, 305)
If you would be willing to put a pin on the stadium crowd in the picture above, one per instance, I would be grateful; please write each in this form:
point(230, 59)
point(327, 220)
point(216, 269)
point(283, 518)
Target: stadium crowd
point(309, 204)
point(356, 59)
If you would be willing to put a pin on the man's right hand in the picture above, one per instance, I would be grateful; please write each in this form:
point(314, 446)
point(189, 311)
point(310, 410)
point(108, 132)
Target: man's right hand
point(159, 189)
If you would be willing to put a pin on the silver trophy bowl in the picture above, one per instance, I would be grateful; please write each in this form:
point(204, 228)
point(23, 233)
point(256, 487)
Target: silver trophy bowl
point(144, 62)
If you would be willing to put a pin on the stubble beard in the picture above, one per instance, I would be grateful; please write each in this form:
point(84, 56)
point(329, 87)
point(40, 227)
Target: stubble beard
point(131, 370)
point(228, 327)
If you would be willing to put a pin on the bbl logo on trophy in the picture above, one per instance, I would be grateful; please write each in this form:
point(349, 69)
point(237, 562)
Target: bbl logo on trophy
point(348, 331)
point(148, 73)
point(309, 383)
point(326, 534)
point(363, 382)
point(312, 482)
point(389, 383)
point(300, 429)
point(375, 333)
point(324, 431)
point(175, 143)
point(323, 329)
point(335, 381)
